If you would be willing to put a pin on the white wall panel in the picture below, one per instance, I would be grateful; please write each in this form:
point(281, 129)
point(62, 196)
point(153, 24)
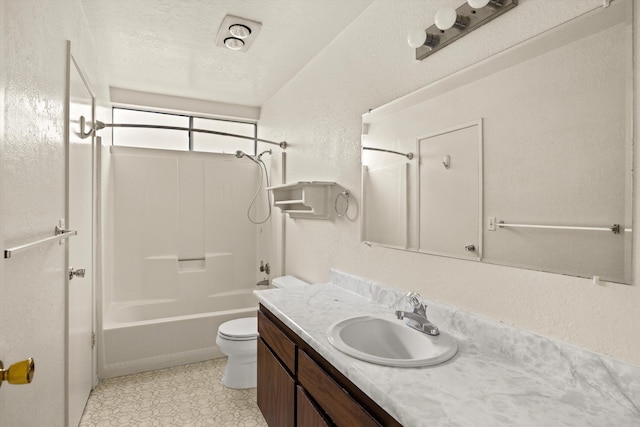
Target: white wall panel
point(180, 224)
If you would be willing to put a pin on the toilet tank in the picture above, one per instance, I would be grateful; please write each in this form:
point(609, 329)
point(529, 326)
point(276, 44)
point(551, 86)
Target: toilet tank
point(287, 282)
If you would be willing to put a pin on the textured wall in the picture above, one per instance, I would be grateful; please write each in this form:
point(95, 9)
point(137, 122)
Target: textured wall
point(34, 52)
point(319, 113)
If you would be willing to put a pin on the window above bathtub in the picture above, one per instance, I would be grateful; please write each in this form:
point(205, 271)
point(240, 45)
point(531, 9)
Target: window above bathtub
point(182, 140)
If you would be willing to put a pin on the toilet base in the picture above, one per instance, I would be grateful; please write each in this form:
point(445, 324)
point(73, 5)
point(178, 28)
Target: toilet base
point(242, 363)
point(240, 372)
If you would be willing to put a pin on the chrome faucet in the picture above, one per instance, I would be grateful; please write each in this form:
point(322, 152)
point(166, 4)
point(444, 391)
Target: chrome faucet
point(264, 282)
point(418, 318)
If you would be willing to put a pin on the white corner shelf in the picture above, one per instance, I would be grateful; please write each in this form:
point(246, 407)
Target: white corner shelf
point(304, 199)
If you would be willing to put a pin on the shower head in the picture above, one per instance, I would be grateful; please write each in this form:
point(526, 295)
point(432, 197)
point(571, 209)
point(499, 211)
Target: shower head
point(264, 152)
point(240, 154)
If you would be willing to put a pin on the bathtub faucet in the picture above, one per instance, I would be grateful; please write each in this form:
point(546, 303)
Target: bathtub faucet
point(264, 282)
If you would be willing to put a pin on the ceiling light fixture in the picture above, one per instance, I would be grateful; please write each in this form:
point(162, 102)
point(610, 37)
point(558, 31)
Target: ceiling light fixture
point(233, 43)
point(236, 33)
point(452, 24)
point(240, 31)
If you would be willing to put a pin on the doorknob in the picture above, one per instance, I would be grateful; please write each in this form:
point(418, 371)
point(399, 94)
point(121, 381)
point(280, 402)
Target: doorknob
point(19, 373)
point(79, 272)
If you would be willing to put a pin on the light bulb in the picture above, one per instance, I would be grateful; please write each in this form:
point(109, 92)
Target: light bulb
point(240, 31)
point(445, 18)
point(233, 43)
point(478, 4)
point(416, 37)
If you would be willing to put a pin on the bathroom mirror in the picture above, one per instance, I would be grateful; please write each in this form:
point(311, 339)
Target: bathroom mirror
point(555, 139)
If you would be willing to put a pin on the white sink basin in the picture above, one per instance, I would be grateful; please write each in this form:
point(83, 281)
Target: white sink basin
point(389, 342)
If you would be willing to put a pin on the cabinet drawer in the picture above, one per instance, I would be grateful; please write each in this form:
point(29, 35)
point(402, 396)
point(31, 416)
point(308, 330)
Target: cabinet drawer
point(282, 346)
point(338, 404)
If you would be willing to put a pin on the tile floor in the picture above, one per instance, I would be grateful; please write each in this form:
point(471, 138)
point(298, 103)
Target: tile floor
point(184, 396)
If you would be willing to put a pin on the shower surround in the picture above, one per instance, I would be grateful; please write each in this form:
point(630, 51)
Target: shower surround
point(184, 256)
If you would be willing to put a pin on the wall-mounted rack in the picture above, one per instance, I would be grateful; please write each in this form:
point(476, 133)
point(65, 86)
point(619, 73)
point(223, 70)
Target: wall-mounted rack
point(59, 235)
point(304, 199)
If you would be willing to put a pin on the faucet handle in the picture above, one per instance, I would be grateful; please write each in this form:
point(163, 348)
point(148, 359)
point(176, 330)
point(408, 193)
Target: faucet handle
point(419, 307)
point(415, 300)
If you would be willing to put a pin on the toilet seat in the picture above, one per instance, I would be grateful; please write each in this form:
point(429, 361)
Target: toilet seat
point(239, 329)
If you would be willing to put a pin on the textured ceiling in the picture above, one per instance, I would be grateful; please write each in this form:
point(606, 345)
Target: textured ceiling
point(168, 46)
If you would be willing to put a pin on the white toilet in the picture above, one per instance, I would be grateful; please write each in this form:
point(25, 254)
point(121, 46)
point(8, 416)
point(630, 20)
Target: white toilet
point(238, 339)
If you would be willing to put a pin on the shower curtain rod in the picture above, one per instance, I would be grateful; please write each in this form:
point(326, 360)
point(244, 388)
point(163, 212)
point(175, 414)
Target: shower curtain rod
point(407, 155)
point(101, 125)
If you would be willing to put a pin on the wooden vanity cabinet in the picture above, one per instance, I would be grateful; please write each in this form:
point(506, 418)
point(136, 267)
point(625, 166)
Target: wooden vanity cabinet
point(308, 414)
point(276, 389)
point(298, 387)
point(276, 374)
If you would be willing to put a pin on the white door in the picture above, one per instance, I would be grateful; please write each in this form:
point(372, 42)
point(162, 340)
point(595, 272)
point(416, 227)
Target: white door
point(450, 191)
point(80, 218)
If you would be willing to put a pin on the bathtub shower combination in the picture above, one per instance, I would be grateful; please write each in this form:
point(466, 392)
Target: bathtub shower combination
point(184, 257)
point(141, 336)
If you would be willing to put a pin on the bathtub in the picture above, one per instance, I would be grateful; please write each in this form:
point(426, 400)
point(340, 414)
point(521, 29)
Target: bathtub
point(139, 336)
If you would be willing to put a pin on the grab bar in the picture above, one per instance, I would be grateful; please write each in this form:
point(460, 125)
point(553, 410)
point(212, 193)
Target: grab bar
point(615, 228)
point(59, 235)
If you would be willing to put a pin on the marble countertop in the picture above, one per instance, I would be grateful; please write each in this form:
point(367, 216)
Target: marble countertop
point(501, 376)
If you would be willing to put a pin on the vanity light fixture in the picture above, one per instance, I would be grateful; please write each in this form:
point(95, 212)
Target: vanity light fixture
point(418, 37)
point(447, 18)
point(452, 24)
point(479, 4)
point(237, 33)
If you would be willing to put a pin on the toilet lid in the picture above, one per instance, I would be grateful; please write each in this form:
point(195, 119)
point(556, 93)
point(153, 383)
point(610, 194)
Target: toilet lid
point(246, 328)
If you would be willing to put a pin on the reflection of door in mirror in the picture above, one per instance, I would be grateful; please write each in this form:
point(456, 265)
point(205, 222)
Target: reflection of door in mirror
point(385, 204)
point(450, 192)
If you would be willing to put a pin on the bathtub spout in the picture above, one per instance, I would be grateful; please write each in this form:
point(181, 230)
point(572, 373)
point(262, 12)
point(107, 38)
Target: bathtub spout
point(264, 282)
